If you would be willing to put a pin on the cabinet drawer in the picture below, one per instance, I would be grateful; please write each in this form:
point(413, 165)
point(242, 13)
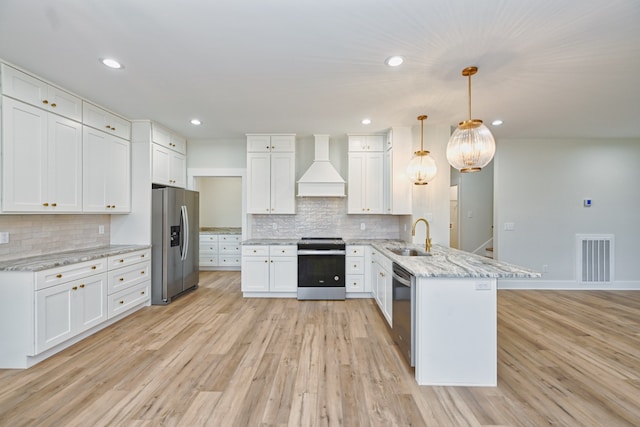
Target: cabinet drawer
point(209, 238)
point(230, 260)
point(229, 238)
point(208, 248)
point(123, 260)
point(354, 283)
point(229, 248)
point(125, 277)
point(283, 250)
point(255, 250)
point(354, 265)
point(355, 250)
point(55, 276)
point(128, 298)
point(208, 260)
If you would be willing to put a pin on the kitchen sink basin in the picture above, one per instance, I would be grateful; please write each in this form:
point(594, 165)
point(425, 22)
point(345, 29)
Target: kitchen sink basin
point(408, 252)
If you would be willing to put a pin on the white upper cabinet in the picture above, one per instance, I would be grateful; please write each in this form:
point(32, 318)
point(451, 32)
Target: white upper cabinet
point(366, 170)
point(106, 172)
point(397, 186)
point(31, 90)
point(105, 121)
point(168, 157)
point(41, 160)
point(271, 174)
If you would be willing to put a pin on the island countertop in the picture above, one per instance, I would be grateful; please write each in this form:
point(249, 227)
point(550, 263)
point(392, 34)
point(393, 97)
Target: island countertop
point(451, 263)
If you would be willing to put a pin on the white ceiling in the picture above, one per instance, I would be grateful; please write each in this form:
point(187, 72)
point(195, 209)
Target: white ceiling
point(548, 68)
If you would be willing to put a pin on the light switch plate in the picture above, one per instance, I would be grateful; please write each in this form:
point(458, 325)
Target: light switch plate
point(4, 237)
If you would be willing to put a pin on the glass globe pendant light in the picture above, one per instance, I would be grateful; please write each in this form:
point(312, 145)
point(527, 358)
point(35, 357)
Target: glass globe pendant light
point(471, 146)
point(422, 168)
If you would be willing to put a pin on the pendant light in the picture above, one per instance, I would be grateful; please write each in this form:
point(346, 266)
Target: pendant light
point(422, 168)
point(471, 146)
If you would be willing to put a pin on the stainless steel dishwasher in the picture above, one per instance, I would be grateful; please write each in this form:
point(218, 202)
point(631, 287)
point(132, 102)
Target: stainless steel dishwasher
point(403, 329)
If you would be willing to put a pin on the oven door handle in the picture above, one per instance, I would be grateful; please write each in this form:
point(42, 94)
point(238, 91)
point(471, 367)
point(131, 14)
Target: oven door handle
point(321, 252)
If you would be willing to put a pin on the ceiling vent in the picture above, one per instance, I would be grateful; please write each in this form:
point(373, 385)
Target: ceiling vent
point(321, 179)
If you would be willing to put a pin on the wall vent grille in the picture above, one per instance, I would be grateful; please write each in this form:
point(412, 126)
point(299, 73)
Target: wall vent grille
point(595, 258)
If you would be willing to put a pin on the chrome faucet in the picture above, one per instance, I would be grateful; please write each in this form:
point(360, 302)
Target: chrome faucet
point(427, 245)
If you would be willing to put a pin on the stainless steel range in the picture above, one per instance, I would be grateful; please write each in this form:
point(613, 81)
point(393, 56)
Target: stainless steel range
point(321, 268)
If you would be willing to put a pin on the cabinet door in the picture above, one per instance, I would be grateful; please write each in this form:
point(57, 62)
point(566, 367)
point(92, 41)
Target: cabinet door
point(118, 178)
point(374, 169)
point(283, 143)
point(91, 306)
point(64, 183)
point(105, 121)
point(283, 183)
point(258, 183)
point(356, 188)
point(258, 143)
point(283, 275)
point(160, 165)
point(178, 169)
point(24, 157)
point(255, 274)
point(54, 323)
point(106, 172)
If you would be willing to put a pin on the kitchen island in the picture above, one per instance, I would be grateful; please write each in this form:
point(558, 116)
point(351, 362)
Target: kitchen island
point(455, 306)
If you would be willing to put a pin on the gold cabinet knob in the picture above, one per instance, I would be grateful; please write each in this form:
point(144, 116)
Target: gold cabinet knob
point(45, 102)
point(54, 105)
point(121, 302)
point(122, 260)
point(45, 204)
point(82, 286)
point(122, 279)
point(75, 288)
point(59, 276)
point(141, 292)
point(93, 267)
point(54, 204)
point(142, 272)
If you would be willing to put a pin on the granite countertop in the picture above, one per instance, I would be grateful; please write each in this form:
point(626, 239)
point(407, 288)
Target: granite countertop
point(220, 230)
point(451, 263)
point(261, 242)
point(45, 262)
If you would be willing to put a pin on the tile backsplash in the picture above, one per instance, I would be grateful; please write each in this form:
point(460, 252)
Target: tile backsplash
point(327, 217)
point(32, 235)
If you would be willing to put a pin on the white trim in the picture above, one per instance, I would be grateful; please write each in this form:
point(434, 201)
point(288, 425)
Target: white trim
point(192, 173)
point(566, 285)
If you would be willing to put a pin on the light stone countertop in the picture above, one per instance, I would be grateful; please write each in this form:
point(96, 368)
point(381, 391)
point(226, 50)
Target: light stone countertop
point(45, 262)
point(452, 263)
point(220, 230)
point(444, 262)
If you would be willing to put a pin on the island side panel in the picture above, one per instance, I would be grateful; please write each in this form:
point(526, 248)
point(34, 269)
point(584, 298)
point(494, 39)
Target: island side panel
point(456, 332)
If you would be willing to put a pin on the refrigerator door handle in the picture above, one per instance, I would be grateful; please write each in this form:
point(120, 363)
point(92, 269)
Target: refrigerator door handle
point(185, 232)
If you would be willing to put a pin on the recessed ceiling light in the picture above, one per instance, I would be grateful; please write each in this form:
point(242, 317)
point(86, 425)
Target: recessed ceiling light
point(497, 122)
point(366, 121)
point(112, 63)
point(394, 61)
point(196, 122)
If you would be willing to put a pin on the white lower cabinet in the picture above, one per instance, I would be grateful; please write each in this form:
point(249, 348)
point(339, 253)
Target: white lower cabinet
point(381, 283)
point(357, 270)
point(220, 251)
point(65, 310)
point(269, 270)
point(45, 311)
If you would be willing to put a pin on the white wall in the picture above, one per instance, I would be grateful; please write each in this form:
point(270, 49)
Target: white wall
point(223, 154)
point(220, 201)
point(540, 186)
point(475, 207)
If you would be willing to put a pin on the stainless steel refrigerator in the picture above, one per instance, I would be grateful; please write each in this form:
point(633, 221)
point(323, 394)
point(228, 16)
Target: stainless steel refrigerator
point(174, 238)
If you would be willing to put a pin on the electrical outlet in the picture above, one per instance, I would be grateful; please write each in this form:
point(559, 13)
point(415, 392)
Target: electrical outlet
point(4, 237)
point(483, 286)
point(363, 226)
point(101, 229)
point(509, 226)
point(275, 225)
point(545, 268)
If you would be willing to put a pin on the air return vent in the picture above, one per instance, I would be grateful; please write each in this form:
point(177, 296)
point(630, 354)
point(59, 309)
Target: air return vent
point(594, 258)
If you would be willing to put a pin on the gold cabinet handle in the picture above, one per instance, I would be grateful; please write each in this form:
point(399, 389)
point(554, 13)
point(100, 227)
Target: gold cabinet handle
point(54, 105)
point(121, 302)
point(93, 267)
point(82, 286)
point(141, 292)
point(122, 260)
point(54, 204)
point(45, 204)
point(142, 272)
point(75, 288)
point(59, 276)
point(44, 101)
point(108, 206)
point(142, 256)
point(122, 279)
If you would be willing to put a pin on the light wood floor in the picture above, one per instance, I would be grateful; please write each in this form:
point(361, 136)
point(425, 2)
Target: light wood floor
point(213, 358)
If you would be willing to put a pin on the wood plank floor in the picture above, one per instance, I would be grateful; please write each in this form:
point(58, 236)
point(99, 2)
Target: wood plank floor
point(213, 358)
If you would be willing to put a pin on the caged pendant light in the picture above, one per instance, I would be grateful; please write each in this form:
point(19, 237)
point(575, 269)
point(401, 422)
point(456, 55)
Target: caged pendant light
point(471, 146)
point(422, 168)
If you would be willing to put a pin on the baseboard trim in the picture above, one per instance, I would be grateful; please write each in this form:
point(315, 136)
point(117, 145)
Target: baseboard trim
point(568, 285)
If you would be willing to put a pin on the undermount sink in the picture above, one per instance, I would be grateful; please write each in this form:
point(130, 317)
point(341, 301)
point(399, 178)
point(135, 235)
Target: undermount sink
point(408, 252)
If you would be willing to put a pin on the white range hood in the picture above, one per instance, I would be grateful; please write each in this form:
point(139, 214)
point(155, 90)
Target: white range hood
point(321, 179)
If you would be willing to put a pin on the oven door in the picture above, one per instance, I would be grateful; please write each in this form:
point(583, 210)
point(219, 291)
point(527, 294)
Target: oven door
point(321, 274)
